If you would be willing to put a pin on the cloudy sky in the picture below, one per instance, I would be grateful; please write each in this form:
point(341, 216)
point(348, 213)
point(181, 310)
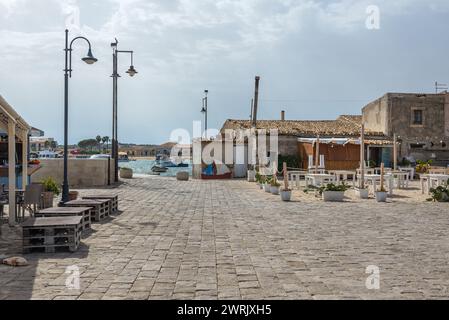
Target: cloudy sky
point(316, 58)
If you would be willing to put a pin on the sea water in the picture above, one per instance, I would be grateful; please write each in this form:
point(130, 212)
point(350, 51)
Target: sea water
point(144, 167)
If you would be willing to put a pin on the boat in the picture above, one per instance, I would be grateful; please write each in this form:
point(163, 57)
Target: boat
point(163, 160)
point(159, 169)
point(123, 157)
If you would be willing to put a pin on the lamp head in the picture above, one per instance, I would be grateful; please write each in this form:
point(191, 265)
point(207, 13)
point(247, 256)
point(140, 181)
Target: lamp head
point(203, 110)
point(89, 59)
point(131, 71)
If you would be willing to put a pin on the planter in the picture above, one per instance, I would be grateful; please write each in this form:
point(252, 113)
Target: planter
point(361, 193)
point(47, 199)
point(336, 196)
point(182, 176)
point(275, 190)
point(381, 196)
point(286, 195)
point(251, 175)
point(73, 195)
point(267, 187)
point(126, 173)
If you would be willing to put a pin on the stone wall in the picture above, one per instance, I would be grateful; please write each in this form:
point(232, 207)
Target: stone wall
point(393, 114)
point(82, 173)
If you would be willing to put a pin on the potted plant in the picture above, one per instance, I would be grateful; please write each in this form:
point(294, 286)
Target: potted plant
point(51, 189)
point(286, 193)
point(381, 194)
point(422, 167)
point(275, 186)
point(332, 192)
point(267, 185)
point(257, 178)
point(440, 194)
point(262, 181)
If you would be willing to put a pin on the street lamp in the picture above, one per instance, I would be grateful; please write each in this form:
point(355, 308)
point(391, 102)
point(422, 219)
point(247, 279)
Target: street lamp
point(131, 72)
point(89, 59)
point(204, 110)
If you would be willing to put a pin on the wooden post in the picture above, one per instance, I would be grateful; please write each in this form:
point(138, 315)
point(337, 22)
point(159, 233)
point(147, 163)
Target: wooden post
point(362, 158)
point(395, 152)
point(382, 167)
point(24, 159)
point(317, 156)
point(285, 176)
point(12, 171)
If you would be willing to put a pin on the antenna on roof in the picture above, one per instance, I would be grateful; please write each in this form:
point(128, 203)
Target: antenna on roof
point(440, 86)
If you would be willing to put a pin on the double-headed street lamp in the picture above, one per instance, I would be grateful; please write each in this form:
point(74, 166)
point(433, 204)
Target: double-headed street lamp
point(89, 59)
point(131, 72)
point(204, 110)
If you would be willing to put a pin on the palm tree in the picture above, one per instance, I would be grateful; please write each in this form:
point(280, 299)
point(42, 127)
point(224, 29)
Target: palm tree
point(98, 138)
point(105, 139)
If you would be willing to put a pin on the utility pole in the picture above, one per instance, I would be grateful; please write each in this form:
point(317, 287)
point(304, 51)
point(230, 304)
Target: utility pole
point(256, 101)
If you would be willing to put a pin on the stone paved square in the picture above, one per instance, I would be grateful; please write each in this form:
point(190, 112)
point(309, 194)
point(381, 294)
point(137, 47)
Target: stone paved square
point(230, 240)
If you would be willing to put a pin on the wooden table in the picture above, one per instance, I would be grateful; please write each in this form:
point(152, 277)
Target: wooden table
point(99, 211)
point(114, 201)
point(49, 234)
point(84, 212)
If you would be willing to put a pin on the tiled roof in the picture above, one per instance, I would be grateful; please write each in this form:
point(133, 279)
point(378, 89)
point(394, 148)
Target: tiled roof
point(343, 126)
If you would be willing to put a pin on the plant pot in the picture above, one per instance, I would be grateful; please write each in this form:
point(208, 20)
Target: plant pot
point(47, 199)
point(260, 185)
point(126, 173)
point(335, 196)
point(251, 175)
point(361, 193)
point(286, 195)
point(275, 190)
point(267, 187)
point(381, 196)
point(73, 195)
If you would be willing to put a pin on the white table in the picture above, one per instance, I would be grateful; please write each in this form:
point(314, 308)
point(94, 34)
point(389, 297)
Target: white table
point(374, 178)
point(401, 178)
point(429, 181)
point(295, 177)
point(319, 179)
point(342, 175)
point(410, 170)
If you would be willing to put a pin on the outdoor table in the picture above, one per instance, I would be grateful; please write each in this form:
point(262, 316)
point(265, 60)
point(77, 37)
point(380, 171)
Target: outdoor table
point(374, 178)
point(295, 176)
point(67, 211)
point(49, 234)
point(342, 175)
point(319, 179)
point(402, 178)
point(410, 170)
point(432, 180)
point(100, 208)
point(113, 204)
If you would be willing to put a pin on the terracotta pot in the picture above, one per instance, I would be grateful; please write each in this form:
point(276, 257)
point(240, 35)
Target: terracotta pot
point(73, 195)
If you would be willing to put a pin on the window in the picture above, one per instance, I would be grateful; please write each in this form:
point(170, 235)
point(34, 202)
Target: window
point(418, 117)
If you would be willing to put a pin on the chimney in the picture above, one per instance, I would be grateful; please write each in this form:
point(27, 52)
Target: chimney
point(256, 101)
point(283, 115)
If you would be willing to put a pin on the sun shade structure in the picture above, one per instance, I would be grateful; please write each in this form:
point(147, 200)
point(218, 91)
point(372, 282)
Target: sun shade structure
point(18, 129)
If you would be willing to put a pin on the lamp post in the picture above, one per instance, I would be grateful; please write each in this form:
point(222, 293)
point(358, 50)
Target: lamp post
point(131, 72)
point(204, 110)
point(89, 59)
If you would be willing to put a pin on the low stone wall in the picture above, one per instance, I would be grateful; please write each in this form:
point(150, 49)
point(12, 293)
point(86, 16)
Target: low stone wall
point(82, 173)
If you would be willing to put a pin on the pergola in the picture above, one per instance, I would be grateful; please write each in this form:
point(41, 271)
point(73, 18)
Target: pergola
point(17, 128)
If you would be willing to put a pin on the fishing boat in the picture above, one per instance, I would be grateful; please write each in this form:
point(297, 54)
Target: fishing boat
point(123, 157)
point(159, 169)
point(163, 160)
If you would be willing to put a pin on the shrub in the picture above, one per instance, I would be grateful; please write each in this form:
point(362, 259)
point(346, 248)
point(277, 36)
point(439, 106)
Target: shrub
point(50, 185)
point(440, 194)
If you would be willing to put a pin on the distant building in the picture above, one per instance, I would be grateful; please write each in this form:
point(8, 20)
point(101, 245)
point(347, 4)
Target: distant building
point(35, 132)
point(42, 143)
point(420, 121)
